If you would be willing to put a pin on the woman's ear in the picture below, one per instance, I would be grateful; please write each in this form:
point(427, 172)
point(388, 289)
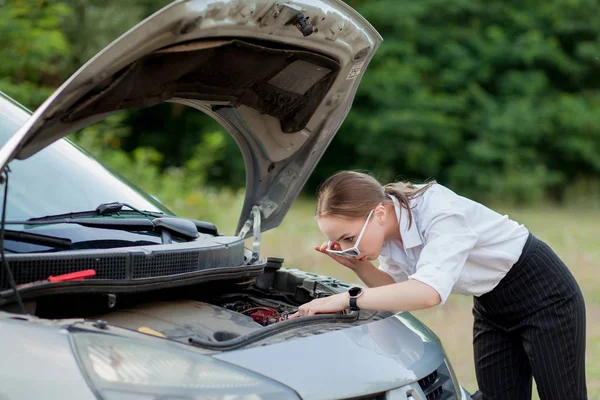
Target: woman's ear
point(381, 213)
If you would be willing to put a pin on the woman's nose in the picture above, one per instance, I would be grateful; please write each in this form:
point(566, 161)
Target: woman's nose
point(339, 246)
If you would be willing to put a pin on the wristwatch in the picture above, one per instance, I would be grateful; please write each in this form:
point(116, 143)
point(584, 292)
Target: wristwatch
point(354, 293)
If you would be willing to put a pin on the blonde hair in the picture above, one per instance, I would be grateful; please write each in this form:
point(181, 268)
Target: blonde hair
point(352, 194)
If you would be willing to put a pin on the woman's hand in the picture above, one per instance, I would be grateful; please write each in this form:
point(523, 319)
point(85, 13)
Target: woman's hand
point(409, 295)
point(366, 271)
point(351, 262)
point(326, 305)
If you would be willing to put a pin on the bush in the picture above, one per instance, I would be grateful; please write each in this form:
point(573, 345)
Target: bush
point(495, 99)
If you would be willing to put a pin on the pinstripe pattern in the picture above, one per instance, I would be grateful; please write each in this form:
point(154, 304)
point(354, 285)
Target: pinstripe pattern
point(531, 324)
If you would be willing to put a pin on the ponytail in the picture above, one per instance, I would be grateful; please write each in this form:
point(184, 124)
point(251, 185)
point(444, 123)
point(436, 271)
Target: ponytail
point(405, 192)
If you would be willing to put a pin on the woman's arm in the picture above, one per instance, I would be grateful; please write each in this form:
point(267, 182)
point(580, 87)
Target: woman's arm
point(404, 296)
point(371, 275)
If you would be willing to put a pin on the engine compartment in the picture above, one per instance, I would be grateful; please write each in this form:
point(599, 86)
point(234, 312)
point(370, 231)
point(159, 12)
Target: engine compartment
point(216, 314)
point(224, 318)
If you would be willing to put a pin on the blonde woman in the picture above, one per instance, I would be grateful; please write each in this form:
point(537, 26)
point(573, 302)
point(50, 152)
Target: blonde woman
point(529, 313)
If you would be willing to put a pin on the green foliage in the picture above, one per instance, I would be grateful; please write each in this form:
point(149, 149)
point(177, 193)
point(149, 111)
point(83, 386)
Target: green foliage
point(43, 42)
point(196, 137)
point(182, 189)
point(96, 23)
point(495, 99)
point(33, 49)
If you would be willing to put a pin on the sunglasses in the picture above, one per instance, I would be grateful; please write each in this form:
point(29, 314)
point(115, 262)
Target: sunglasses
point(352, 251)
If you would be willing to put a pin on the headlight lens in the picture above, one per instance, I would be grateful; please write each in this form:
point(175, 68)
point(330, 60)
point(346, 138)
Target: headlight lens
point(122, 368)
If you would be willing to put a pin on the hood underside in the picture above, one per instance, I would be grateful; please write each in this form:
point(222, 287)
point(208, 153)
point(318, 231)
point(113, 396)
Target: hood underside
point(281, 95)
point(287, 84)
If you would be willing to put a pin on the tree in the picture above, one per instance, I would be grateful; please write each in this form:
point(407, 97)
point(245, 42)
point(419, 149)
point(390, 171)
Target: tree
point(33, 49)
point(493, 98)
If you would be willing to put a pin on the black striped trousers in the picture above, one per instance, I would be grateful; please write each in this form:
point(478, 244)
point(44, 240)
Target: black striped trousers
point(531, 324)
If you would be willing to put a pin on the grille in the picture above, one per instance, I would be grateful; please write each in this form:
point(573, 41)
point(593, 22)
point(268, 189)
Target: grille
point(36, 268)
point(160, 261)
point(438, 385)
point(164, 264)
point(182, 261)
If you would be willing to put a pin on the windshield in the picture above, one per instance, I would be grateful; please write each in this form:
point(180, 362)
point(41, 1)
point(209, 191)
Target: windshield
point(61, 178)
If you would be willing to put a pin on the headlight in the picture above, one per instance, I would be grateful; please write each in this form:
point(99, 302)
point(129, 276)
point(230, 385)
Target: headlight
point(122, 368)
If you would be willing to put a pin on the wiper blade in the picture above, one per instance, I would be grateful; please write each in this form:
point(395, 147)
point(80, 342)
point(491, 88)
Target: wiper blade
point(131, 224)
point(104, 209)
point(124, 224)
point(180, 226)
point(36, 238)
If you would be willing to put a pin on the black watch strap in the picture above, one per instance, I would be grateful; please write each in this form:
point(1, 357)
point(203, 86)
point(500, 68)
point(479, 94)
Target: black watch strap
point(353, 304)
point(354, 293)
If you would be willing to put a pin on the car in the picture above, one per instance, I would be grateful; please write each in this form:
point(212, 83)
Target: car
point(106, 294)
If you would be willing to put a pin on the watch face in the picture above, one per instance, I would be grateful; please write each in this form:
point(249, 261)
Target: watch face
point(355, 291)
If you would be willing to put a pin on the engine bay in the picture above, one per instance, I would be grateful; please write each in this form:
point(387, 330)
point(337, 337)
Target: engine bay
point(212, 315)
point(180, 319)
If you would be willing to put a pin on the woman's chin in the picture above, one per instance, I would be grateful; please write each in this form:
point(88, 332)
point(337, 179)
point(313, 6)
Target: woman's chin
point(367, 257)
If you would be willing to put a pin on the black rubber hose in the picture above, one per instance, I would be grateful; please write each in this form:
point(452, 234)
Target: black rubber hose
point(270, 330)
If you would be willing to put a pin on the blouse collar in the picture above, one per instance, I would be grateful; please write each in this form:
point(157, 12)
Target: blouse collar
point(410, 235)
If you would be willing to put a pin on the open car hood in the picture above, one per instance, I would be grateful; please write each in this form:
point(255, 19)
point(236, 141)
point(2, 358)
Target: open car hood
point(248, 64)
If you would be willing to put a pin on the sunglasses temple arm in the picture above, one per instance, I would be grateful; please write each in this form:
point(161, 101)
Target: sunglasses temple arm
point(362, 231)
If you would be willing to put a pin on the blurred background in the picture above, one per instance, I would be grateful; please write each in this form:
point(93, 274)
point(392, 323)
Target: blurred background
point(498, 100)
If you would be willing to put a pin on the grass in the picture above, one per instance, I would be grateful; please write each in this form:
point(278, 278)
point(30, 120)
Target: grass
point(571, 233)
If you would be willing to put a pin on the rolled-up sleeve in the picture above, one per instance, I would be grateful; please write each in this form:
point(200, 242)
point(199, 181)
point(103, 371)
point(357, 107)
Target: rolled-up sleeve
point(397, 273)
point(448, 240)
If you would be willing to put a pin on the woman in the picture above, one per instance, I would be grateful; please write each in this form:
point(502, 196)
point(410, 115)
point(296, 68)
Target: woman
point(529, 313)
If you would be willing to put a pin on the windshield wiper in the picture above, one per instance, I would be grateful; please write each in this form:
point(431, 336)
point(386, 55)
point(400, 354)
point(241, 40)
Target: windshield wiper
point(125, 224)
point(104, 209)
point(188, 228)
point(179, 226)
point(36, 238)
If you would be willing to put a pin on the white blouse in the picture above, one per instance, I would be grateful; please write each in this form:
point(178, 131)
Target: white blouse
point(454, 244)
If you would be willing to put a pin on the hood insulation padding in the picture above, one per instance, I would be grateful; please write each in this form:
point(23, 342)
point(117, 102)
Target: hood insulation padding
point(285, 83)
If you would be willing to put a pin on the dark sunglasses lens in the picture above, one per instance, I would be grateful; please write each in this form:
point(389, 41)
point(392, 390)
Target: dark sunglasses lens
point(352, 253)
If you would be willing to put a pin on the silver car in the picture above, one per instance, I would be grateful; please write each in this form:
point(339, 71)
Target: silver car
point(104, 293)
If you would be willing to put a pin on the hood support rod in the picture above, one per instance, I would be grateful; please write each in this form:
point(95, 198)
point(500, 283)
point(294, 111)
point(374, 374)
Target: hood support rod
point(253, 221)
